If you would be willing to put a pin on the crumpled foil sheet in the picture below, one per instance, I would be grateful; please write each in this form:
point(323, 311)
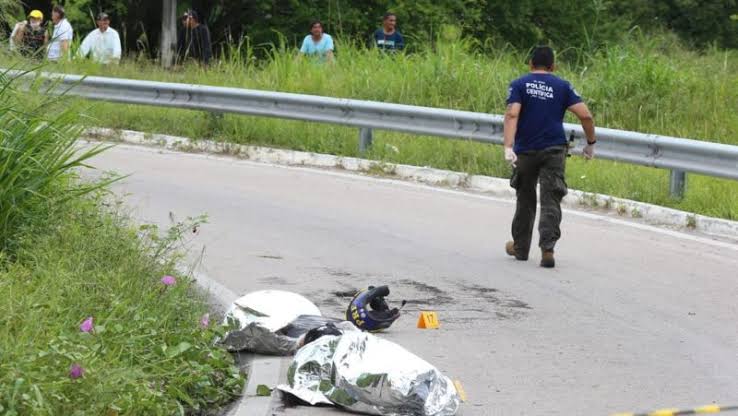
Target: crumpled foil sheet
point(260, 338)
point(271, 322)
point(366, 374)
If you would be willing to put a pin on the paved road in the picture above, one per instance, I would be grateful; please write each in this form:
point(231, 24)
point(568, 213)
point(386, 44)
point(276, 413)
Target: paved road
point(632, 318)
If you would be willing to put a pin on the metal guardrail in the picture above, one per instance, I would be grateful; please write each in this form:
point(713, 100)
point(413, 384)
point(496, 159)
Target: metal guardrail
point(678, 155)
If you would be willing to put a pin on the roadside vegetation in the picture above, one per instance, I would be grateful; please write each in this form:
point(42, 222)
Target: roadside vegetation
point(94, 318)
point(651, 84)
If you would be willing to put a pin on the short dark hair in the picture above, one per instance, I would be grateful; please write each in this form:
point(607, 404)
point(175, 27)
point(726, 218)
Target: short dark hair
point(59, 10)
point(193, 14)
point(315, 22)
point(388, 15)
point(542, 57)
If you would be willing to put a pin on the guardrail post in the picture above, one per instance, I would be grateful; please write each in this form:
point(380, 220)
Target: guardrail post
point(677, 182)
point(365, 139)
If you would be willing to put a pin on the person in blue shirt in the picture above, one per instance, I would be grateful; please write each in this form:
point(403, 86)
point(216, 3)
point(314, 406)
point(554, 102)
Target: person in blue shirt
point(317, 43)
point(388, 38)
point(536, 147)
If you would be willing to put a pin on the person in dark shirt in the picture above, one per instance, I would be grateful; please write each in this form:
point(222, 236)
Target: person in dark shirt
point(30, 36)
point(536, 147)
point(388, 38)
point(193, 41)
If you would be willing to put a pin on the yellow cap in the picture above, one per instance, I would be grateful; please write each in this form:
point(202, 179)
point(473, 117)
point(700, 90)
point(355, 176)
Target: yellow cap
point(36, 14)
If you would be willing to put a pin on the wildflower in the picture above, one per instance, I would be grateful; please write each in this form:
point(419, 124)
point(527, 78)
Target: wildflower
point(168, 280)
point(205, 321)
point(76, 371)
point(86, 325)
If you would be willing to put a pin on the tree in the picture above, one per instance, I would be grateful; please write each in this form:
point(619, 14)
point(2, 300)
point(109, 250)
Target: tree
point(699, 22)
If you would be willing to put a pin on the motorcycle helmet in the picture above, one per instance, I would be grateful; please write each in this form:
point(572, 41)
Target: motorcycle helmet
point(369, 311)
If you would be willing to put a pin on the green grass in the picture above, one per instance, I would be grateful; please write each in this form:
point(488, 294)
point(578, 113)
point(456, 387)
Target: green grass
point(67, 254)
point(147, 354)
point(648, 84)
point(37, 156)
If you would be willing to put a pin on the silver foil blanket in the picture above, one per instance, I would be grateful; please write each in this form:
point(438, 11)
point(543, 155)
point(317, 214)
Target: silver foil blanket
point(364, 373)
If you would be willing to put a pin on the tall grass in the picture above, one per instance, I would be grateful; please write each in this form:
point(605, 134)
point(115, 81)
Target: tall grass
point(64, 257)
point(38, 158)
point(646, 83)
point(148, 353)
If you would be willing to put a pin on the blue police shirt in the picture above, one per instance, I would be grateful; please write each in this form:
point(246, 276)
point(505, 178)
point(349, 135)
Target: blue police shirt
point(544, 99)
point(391, 42)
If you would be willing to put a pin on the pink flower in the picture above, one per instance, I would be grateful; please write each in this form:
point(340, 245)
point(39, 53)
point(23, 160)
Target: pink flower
point(205, 321)
point(86, 325)
point(76, 371)
point(168, 280)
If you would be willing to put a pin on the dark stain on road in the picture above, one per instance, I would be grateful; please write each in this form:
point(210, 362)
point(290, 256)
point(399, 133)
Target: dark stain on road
point(270, 257)
point(348, 294)
point(338, 273)
point(514, 303)
point(460, 303)
point(333, 301)
point(435, 296)
point(275, 280)
point(494, 302)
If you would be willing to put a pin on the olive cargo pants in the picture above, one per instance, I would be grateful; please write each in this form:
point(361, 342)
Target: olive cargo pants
point(546, 166)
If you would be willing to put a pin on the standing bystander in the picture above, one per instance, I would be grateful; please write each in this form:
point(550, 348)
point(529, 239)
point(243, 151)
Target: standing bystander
point(61, 38)
point(388, 38)
point(29, 36)
point(194, 40)
point(318, 43)
point(102, 43)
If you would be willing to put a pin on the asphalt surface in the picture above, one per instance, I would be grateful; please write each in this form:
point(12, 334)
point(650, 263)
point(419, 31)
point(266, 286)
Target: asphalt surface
point(631, 318)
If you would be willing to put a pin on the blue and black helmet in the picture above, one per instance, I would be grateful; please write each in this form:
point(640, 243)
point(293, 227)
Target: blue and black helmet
point(369, 311)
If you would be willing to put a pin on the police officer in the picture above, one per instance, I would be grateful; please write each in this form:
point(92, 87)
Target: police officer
point(536, 147)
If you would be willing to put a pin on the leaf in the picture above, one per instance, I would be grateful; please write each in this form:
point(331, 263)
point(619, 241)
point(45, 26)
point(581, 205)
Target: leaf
point(179, 349)
point(39, 397)
point(263, 390)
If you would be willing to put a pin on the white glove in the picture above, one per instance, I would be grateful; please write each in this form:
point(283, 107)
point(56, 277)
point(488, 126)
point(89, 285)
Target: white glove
point(510, 156)
point(589, 151)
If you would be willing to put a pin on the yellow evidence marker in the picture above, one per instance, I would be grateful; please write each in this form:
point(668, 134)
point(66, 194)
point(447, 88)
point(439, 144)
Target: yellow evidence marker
point(460, 390)
point(428, 320)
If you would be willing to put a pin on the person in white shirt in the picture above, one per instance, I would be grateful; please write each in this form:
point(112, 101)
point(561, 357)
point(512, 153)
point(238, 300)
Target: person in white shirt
point(102, 43)
point(61, 39)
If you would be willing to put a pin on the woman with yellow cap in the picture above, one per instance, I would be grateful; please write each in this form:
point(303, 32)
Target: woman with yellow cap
point(29, 37)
